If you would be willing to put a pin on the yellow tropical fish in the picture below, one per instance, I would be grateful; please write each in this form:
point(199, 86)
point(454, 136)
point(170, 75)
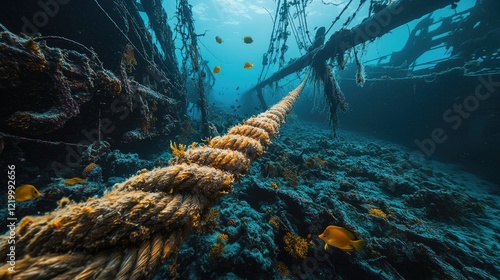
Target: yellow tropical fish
point(248, 65)
point(341, 238)
point(216, 70)
point(26, 192)
point(74, 181)
point(247, 40)
point(218, 39)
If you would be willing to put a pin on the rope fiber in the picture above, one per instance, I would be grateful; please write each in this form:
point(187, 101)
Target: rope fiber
point(130, 231)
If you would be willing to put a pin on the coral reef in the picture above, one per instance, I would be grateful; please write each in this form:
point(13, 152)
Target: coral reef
point(295, 245)
point(376, 189)
point(447, 205)
point(429, 208)
point(121, 164)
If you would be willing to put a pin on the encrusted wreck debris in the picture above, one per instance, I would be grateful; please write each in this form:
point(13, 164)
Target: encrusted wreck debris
point(62, 86)
point(462, 37)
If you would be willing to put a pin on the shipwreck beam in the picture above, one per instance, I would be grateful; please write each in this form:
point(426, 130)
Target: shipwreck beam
point(394, 15)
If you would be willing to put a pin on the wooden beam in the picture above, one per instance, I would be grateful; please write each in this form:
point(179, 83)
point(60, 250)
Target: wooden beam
point(394, 15)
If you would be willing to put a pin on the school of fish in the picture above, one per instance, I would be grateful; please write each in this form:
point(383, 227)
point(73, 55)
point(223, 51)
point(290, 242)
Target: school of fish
point(248, 65)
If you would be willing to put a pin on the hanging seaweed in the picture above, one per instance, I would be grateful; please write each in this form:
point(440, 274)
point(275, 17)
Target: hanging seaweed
point(323, 74)
point(360, 74)
point(290, 19)
point(191, 59)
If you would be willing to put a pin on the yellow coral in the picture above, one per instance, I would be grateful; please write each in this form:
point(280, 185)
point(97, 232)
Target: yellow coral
point(291, 177)
point(129, 58)
point(377, 212)
point(274, 185)
point(295, 245)
point(178, 150)
point(196, 219)
point(283, 269)
point(210, 223)
point(216, 251)
point(320, 161)
point(222, 238)
point(218, 248)
point(275, 222)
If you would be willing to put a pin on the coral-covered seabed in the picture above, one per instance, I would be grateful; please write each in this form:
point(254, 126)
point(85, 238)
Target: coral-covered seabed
point(421, 219)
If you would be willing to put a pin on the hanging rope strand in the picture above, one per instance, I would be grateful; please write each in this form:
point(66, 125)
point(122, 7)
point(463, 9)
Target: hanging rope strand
point(338, 17)
point(143, 56)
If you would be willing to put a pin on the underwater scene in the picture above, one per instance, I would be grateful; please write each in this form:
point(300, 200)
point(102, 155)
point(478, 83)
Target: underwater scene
point(238, 139)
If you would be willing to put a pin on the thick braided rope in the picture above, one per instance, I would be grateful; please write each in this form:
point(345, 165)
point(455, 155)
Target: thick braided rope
point(129, 232)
